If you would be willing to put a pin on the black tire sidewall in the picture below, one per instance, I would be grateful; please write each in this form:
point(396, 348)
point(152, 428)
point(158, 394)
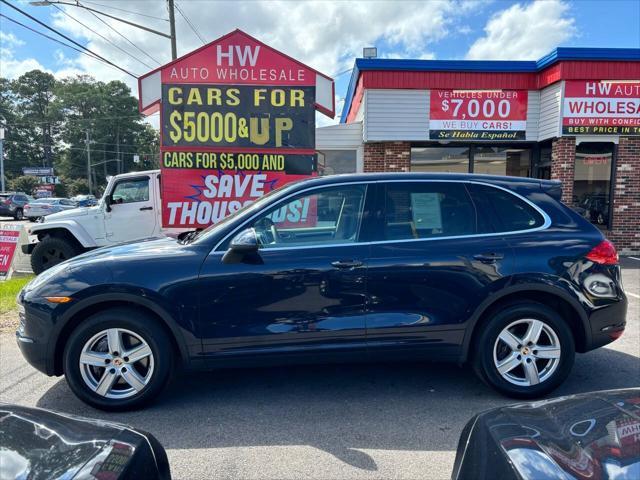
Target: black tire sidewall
point(19, 214)
point(36, 256)
point(131, 319)
point(490, 331)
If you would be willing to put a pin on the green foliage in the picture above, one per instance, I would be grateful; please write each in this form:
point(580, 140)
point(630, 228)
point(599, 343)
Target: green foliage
point(24, 184)
point(47, 122)
point(9, 290)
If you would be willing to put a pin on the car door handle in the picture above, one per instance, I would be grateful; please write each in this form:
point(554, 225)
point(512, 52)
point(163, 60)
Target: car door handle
point(489, 257)
point(146, 208)
point(344, 264)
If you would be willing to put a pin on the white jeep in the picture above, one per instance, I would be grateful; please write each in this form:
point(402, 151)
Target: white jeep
point(129, 210)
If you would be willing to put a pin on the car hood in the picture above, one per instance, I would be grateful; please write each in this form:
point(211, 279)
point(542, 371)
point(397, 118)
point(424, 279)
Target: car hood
point(72, 213)
point(37, 443)
point(587, 436)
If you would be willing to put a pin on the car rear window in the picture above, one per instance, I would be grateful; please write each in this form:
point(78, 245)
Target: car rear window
point(501, 211)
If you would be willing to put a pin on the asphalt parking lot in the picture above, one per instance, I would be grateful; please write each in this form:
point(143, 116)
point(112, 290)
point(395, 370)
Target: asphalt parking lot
point(339, 421)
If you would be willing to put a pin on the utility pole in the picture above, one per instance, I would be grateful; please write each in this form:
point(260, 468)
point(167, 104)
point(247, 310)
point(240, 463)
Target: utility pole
point(172, 30)
point(1, 159)
point(89, 162)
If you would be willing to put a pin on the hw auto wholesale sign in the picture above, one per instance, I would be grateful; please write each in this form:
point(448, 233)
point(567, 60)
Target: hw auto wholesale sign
point(478, 114)
point(237, 121)
point(601, 108)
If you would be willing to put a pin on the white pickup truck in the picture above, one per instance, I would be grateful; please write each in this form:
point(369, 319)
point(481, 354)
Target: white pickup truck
point(130, 209)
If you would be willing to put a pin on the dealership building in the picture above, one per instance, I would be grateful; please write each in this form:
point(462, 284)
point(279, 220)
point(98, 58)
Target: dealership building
point(573, 115)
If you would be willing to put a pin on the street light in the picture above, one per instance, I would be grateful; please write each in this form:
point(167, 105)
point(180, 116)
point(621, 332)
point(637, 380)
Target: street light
point(172, 21)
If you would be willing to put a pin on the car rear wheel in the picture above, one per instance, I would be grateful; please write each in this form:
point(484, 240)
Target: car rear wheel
point(49, 252)
point(118, 359)
point(19, 214)
point(525, 350)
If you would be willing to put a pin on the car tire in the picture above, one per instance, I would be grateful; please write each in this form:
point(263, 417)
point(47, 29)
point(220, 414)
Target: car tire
point(49, 252)
point(19, 215)
point(506, 360)
point(107, 386)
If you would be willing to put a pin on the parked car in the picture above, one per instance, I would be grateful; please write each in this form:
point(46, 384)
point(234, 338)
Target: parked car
point(41, 444)
point(42, 207)
point(85, 200)
point(12, 204)
point(589, 436)
point(66, 234)
point(491, 271)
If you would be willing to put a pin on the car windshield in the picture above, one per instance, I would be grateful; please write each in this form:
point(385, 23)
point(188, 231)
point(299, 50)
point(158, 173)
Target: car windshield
point(213, 229)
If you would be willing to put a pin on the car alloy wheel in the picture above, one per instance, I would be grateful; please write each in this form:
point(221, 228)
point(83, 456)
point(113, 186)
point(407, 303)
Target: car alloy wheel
point(116, 363)
point(527, 352)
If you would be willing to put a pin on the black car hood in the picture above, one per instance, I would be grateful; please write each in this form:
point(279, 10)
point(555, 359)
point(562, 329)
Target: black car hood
point(588, 436)
point(38, 443)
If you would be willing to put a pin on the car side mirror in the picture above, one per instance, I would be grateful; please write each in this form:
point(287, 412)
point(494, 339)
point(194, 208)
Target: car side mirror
point(108, 201)
point(243, 245)
point(245, 242)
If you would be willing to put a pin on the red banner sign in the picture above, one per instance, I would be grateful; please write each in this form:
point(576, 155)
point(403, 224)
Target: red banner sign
point(8, 244)
point(478, 114)
point(203, 197)
point(601, 108)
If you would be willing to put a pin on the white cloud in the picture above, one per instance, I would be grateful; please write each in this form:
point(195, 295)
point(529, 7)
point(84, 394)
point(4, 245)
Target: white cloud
point(8, 40)
point(524, 31)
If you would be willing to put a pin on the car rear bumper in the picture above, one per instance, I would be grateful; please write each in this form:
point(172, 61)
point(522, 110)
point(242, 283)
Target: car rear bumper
point(607, 323)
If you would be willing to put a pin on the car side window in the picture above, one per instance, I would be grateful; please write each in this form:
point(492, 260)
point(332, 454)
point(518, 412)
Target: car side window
point(322, 216)
point(419, 210)
point(131, 191)
point(508, 212)
point(67, 202)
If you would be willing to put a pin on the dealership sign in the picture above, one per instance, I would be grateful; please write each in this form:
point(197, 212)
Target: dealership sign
point(478, 114)
point(237, 121)
point(9, 235)
point(601, 108)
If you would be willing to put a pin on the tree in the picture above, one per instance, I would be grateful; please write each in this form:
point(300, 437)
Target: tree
point(24, 183)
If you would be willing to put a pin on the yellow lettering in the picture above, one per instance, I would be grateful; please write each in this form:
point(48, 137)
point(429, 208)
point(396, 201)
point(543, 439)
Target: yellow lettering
point(282, 125)
point(297, 97)
point(258, 96)
point(194, 97)
point(173, 91)
point(232, 95)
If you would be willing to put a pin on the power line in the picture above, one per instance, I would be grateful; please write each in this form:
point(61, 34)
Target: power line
point(193, 27)
point(93, 119)
point(100, 35)
point(128, 11)
point(49, 37)
point(67, 38)
point(116, 31)
point(84, 148)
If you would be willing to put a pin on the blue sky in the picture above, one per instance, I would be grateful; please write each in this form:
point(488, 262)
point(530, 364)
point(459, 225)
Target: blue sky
point(326, 35)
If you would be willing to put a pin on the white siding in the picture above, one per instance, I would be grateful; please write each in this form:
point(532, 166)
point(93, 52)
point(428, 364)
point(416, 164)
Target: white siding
point(550, 109)
point(344, 136)
point(533, 115)
point(396, 115)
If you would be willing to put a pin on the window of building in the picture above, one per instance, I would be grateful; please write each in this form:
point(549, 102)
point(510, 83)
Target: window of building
point(322, 216)
point(592, 182)
point(333, 162)
point(501, 211)
point(427, 210)
point(515, 162)
point(542, 164)
point(440, 159)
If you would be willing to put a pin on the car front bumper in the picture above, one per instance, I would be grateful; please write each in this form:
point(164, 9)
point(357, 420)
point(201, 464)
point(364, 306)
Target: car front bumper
point(34, 346)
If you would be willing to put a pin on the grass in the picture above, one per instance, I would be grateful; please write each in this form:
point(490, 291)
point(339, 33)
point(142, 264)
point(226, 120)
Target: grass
point(9, 290)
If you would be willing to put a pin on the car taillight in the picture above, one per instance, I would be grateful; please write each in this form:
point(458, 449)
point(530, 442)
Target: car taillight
point(604, 253)
point(7, 201)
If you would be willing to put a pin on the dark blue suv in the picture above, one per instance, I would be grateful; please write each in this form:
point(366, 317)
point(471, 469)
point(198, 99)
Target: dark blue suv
point(490, 271)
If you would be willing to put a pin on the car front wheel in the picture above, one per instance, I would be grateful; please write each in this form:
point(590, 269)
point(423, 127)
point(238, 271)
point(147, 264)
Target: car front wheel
point(118, 359)
point(525, 350)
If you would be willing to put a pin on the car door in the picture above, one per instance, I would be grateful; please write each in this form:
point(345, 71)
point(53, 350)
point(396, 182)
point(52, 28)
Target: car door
point(303, 292)
point(433, 260)
point(132, 204)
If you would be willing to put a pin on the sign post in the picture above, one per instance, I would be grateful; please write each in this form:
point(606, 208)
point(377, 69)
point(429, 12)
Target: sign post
point(237, 120)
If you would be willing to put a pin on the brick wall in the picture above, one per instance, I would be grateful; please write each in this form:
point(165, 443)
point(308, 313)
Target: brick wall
point(563, 159)
point(625, 230)
point(387, 157)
